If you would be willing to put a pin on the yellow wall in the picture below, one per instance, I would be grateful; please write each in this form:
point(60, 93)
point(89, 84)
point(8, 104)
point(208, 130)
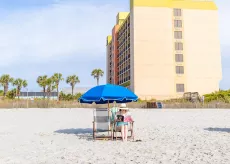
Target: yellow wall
point(203, 53)
point(153, 57)
point(109, 39)
point(184, 4)
point(121, 16)
point(152, 62)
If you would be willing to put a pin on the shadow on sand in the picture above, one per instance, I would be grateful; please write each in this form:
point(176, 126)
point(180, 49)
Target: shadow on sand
point(81, 133)
point(227, 130)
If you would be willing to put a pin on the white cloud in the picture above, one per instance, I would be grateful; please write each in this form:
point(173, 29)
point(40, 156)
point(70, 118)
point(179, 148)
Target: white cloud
point(57, 30)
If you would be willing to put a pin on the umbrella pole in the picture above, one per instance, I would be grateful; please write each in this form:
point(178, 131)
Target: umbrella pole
point(108, 110)
point(109, 118)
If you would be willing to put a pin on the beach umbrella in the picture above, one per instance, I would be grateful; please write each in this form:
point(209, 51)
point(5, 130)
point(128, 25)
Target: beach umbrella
point(105, 94)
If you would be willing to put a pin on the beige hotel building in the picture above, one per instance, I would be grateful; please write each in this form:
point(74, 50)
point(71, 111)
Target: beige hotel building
point(163, 48)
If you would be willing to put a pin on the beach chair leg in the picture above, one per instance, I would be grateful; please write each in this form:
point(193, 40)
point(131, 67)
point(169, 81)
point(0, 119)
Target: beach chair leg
point(116, 134)
point(94, 135)
point(112, 133)
point(114, 127)
point(94, 130)
point(132, 133)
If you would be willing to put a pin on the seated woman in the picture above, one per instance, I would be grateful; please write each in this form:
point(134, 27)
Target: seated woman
point(122, 119)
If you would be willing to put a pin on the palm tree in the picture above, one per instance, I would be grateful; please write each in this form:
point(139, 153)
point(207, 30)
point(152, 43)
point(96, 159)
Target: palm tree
point(50, 86)
point(5, 80)
point(42, 82)
point(72, 80)
point(57, 78)
point(97, 73)
point(20, 83)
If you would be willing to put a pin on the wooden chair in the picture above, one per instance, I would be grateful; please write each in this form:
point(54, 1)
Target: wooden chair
point(130, 129)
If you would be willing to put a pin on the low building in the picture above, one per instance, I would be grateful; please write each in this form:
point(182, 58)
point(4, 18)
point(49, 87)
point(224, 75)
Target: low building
point(38, 95)
point(76, 90)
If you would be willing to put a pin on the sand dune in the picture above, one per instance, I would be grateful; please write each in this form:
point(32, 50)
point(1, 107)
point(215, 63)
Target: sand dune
point(63, 136)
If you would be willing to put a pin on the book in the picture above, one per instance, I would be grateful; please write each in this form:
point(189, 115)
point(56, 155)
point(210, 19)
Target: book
point(126, 118)
point(120, 118)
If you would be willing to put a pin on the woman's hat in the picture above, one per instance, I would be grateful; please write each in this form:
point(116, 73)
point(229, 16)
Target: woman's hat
point(123, 107)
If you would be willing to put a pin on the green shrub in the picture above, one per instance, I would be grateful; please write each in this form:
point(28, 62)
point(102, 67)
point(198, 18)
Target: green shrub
point(1, 92)
point(221, 95)
point(11, 94)
point(69, 97)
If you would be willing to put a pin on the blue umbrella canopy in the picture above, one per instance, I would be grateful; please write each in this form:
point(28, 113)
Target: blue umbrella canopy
point(109, 93)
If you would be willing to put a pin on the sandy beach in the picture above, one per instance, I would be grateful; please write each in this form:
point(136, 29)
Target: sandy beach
point(63, 136)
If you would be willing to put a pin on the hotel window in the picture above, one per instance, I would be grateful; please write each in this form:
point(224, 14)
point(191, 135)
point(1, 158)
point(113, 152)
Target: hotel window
point(180, 88)
point(177, 23)
point(178, 46)
point(177, 12)
point(178, 34)
point(179, 69)
point(179, 58)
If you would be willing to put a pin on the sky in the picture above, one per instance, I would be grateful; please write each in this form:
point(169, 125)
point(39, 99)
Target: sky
point(41, 37)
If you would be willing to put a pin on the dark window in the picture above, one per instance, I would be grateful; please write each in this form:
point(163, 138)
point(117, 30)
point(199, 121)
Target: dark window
point(178, 34)
point(177, 23)
point(177, 12)
point(179, 58)
point(180, 88)
point(179, 69)
point(178, 46)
